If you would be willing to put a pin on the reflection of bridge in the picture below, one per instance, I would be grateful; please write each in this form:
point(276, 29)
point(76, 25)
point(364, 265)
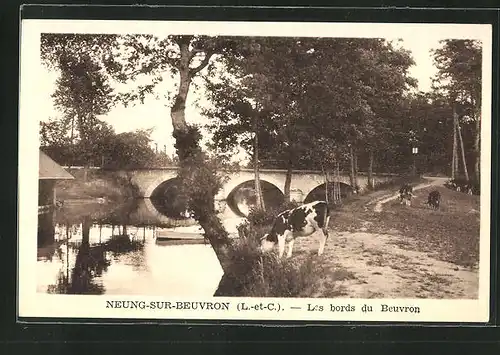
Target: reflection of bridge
point(303, 181)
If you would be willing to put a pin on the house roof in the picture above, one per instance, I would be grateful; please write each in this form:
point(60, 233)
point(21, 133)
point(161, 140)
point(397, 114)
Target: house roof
point(49, 169)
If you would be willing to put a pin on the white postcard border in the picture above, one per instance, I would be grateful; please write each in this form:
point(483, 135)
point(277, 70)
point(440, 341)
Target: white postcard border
point(32, 304)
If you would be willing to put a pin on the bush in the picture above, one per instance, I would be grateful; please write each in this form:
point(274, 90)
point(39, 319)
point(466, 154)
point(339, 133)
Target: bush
point(252, 273)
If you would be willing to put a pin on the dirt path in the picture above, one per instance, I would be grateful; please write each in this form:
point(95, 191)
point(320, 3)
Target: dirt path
point(358, 264)
point(432, 181)
point(373, 266)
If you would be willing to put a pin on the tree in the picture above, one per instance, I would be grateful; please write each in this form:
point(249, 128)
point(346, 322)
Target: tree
point(242, 112)
point(130, 150)
point(128, 58)
point(55, 138)
point(183, 58)
point(161, 159)
point(240, 125)
point(55, 141)
point(386, 82)
point(82, 90)
point(459, 78)
point(323, 99)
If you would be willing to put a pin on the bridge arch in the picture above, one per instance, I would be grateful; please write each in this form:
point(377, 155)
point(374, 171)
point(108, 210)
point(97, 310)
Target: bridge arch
point(242, 197)
point(318, 193)
point(243, 176)
point(148, 181)
point(165, 199)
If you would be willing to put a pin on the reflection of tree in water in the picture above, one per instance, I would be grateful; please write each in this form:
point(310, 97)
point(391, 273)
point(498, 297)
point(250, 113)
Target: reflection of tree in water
point(46, 229)
point(91, 261)
point(126, 242)
point(119, 216)
point(130, 251)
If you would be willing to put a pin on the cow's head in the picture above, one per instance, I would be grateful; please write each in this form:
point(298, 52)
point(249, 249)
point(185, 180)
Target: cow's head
point(266, 243)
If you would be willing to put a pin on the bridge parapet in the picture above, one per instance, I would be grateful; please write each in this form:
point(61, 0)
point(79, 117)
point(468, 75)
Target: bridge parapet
point(303, 181)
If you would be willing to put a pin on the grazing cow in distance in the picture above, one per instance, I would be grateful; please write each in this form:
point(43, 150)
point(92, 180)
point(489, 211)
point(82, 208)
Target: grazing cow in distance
point(405, 194)
point(434, 199)
point(461, 185)
point(301, 221)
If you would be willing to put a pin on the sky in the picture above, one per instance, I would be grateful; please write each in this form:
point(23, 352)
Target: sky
point(154, 114)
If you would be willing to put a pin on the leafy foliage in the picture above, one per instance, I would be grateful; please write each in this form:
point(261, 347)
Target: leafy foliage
point(200, 183)
point(109, 150)
point(459, 80)
point(312, 96)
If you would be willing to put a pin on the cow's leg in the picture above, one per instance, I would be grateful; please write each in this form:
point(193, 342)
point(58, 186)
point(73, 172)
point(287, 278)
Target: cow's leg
point(327, 223)
point(323, 236)
point(281, 244)
point(290, 248)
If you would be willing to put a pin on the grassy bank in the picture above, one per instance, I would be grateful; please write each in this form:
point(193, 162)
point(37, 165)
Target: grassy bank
point(96, 185)
point(449, 234)
point(253, 274)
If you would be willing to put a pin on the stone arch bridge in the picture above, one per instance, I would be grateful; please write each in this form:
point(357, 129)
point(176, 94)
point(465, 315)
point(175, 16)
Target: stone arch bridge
point(303, 181)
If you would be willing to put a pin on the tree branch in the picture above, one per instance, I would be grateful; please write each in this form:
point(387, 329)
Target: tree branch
point(203, 63)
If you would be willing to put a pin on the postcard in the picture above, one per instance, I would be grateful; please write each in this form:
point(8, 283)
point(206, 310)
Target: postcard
point(270, 171)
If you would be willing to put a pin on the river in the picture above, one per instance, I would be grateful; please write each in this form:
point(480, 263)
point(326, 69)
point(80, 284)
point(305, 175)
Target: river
point(130, 249)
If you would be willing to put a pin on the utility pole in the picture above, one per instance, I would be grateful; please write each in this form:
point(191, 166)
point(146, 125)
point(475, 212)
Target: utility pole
point(454, 160)
point(455, 117)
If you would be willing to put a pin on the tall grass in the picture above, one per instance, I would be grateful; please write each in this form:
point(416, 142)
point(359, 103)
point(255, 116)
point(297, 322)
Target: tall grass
point(252, 273)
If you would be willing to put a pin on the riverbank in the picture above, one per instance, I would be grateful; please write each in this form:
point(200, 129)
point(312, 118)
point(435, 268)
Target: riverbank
point(391, 252)
point(94, 186)
point(399, 251)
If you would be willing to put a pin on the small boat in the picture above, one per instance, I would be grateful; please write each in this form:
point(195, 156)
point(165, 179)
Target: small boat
point(167, 235)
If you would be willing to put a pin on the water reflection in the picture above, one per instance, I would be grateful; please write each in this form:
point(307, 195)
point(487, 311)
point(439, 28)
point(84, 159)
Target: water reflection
point(94, 249)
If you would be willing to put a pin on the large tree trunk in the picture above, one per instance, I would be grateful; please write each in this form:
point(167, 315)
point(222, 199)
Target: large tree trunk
point(355, 170)
point(454, 160)
point(352, 174)
point(191, 158)
point(464, 162)
point(370, 169)
point(72, 144)
point(477, 149)
point(288, 182)
point(258, 188)
point(325, 175)
point(178, 112)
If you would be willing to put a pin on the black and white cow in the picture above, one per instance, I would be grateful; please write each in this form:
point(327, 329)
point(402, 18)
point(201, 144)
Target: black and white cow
point(405, 194)
point(434, 199)
point(301, 221)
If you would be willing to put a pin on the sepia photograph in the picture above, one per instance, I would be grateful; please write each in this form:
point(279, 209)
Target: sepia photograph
point(329, 171)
